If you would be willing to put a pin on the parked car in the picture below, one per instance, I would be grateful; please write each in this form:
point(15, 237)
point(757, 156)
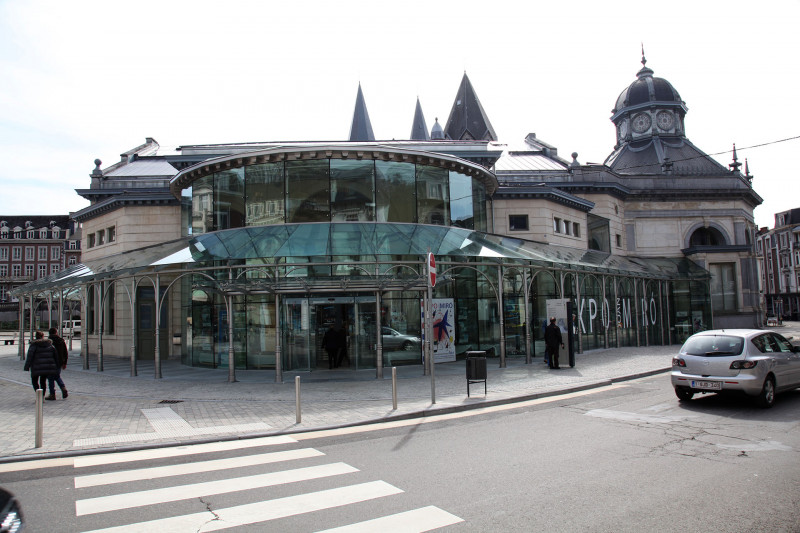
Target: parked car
point(394, 340)
point(71, 327)
point(10, 513)
point(756, 362)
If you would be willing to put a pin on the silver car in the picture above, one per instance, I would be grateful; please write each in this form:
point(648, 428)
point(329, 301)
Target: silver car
point(756, 362)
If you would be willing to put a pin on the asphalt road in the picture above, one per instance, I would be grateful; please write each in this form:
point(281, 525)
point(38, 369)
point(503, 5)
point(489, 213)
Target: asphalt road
point(628, 457)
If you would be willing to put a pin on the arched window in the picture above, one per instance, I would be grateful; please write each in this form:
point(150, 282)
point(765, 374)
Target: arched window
point(707, 237)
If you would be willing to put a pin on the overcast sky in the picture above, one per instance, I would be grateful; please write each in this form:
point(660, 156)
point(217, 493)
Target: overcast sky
point(84, 79)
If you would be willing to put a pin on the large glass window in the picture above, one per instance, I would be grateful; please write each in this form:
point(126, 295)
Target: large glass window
point(352, 191)
point(229, 199)
point(461, 214)
point(265, 194)
point(479, 205)
point(432, 195)
point(308, 197)
point(395, 181)
point(723, 286)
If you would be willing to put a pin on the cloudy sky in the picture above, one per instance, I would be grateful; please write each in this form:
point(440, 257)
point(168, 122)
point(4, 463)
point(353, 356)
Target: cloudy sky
point(91, 79)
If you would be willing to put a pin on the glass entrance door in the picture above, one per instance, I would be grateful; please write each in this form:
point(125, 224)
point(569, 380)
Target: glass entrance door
point(329, 332)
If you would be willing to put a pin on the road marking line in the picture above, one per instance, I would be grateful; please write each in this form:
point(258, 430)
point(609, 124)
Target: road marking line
point(126, 476)
point(635, 417)
point(243, 515)
point(416, 521)
point(178, 451)
point(197, 490)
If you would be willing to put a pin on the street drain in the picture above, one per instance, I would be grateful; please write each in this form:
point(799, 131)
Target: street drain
point(171, 401)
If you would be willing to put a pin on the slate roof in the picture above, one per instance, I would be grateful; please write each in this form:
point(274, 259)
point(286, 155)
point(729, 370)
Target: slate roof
point(648, 156)
point(468, 120)
point(419, 130)
point(361, 128)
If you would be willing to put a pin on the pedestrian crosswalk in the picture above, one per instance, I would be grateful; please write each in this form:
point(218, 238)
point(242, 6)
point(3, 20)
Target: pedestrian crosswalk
point(297, 481)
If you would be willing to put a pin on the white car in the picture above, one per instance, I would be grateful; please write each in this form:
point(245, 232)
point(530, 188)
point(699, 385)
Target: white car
point(756, 362)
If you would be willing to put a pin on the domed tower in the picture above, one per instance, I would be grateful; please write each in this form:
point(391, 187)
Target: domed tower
point(647, 107)
point(651, 138)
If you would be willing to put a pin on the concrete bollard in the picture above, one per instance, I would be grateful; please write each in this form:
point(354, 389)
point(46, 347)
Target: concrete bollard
point(297, 396)
point(39, 418)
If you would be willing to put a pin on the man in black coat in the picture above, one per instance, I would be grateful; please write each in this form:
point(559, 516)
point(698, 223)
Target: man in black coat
point(42, 361)
point(552, 341)
point(63, 355)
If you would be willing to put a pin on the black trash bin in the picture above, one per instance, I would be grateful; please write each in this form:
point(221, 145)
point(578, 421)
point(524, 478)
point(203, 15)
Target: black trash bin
point(476, 369)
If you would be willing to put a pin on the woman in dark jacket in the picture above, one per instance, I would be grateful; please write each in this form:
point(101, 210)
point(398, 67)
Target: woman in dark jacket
point(42, 361)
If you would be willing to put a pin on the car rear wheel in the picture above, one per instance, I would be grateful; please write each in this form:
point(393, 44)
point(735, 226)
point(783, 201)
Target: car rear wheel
point(684, 394)
point(766, 398)
point(407, 346)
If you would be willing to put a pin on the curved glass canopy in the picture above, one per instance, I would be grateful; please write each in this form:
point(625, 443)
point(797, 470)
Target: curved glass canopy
point(300, 243)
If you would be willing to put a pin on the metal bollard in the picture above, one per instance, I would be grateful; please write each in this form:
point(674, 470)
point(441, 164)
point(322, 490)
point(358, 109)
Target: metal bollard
point(39, 417)
point(297, 396)
point(394, 388)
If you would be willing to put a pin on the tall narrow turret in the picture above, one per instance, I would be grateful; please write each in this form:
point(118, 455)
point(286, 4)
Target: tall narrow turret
point(361, 128)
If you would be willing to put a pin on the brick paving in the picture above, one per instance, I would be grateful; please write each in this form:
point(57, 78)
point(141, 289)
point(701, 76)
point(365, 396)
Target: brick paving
point(106, 410)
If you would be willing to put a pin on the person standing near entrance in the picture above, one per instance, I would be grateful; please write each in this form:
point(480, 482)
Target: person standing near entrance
point(552, 341)
point(42, 361)
point(62, 356)
point(330, 342)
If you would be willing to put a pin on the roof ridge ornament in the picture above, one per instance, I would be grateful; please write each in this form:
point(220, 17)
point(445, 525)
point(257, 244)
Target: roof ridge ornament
point(644, 71)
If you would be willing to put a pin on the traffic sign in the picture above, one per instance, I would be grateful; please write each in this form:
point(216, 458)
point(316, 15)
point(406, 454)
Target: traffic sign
point(432, 269)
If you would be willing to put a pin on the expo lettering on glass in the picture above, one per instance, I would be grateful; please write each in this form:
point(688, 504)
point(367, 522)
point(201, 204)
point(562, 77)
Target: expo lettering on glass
point(624, 313)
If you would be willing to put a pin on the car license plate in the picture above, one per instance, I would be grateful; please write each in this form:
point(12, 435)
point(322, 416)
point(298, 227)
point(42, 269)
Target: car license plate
point(707, 385)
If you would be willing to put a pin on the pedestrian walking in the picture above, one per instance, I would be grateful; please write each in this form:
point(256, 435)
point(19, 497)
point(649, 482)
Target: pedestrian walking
point(552, 341)
point(42, 361)
point(62, 355)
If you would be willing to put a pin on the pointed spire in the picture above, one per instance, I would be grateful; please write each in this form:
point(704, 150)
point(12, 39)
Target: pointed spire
point(735, 165)
point(361, 128)
point(468, 120)
point(419, 130)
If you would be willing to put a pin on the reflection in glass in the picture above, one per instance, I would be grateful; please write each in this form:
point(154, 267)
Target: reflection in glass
point(229, 199)
point(352, 191)
point(308, 199)
point(396, 192)
point(461, 214)
point(202, 205)
point(265, 194)
point(432, 195)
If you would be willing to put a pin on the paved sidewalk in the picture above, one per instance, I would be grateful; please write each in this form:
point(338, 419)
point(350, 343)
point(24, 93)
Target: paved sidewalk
point(110, 410)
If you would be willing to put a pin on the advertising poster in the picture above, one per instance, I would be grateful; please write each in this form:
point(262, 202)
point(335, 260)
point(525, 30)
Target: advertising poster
point(444, 330)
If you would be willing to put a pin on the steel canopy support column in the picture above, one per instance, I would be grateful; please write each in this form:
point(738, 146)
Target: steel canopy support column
point(617, 318)
point(60, 313)
point(378, 337)
point(49, 310)
point(101, 312)
point(526, 322)
point(31, 317)
point(157, 352)
point(576, 324)
point(606, 320)
point(85, 326)
point(278, 342)
point(21, 329)
point(231, 351)
point(132, 301)
point(668, 313)
point(501, 312)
